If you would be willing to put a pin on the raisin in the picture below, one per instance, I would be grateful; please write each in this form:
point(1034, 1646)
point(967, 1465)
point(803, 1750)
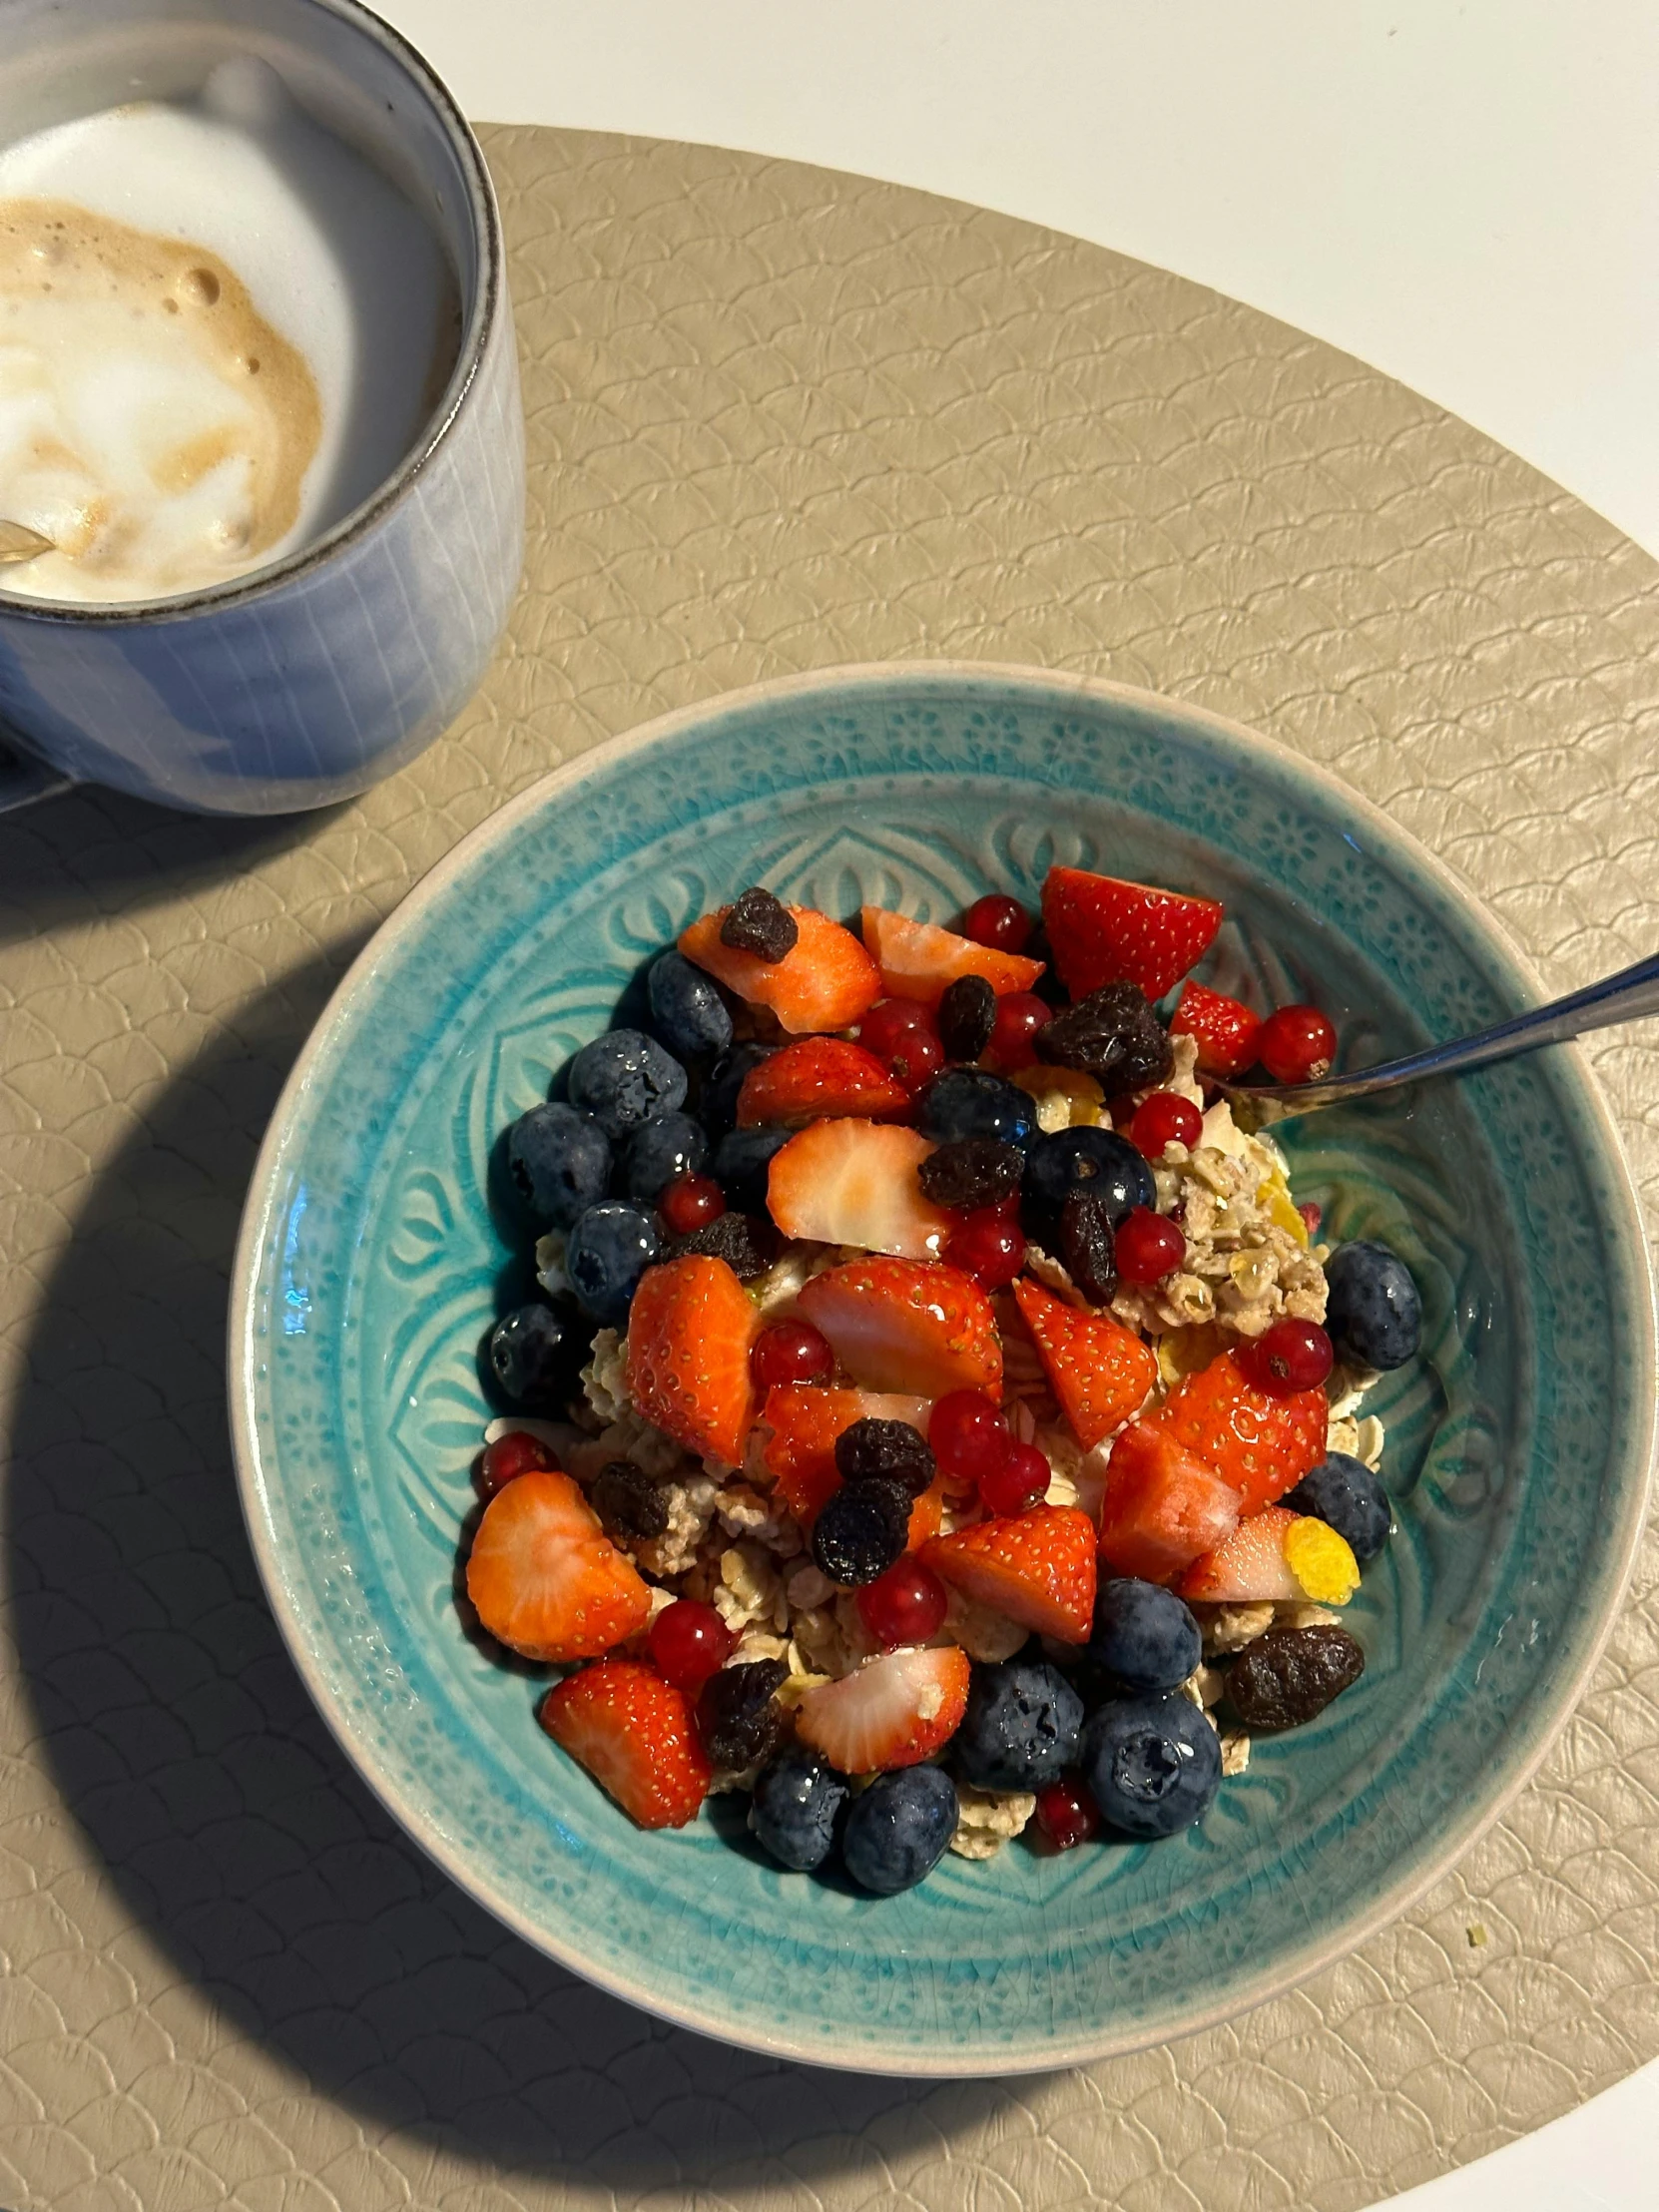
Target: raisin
point(884, 1451)
point(1287, 1675)
point(1086, 1245)
point(738, 1716)
point(758, 924)
point(746, 1244)
point(1113, 1035)
point(967, 1015)
point(627, 1501)
point(862, 1531)
point(971, 1172)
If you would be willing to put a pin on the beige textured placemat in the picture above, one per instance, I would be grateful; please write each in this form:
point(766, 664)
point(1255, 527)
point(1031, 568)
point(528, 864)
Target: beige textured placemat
point(778, 419)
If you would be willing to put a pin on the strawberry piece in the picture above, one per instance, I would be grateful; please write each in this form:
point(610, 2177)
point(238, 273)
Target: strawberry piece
point(927, 1514)
point(689, 1332)
point(896, 1326)
point(920, 960)
point(1260, 1445)
point(806, 1419)
point(545, 1579)
point(1224, 1030)
point(1037, 1567)
point(1249, 1566)
point(855, 1183)
point(1100, 1372)
point(1103, 931)
point(1164, 1506)
point(816, 1077)
point(636, 1735)
point(891, 1711)
point(826, 982)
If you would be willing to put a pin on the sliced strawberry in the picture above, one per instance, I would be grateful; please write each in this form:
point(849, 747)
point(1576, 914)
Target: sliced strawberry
point(891, 1711)
point(806, 1419)
point(1162, 1509)
point(689, 1332)
point(1249, 1566)
point(927, 1513)
point(1100, 1372)
point(1260, 1445)
point(896, 1326)
point(917, 960)
point(855, 1183)
point(1037, 1567)
point(826, 982)
point(636, 1735)
point(819, 1076)
point(1103, 931)
point(1224, 1028)
point(545, 1579)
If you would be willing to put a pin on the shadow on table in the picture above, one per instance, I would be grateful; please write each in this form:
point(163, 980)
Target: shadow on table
point(92, 852)
point(182, 1741)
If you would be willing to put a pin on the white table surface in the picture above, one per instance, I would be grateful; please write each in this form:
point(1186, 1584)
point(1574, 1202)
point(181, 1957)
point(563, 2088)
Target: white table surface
point(1463, 192)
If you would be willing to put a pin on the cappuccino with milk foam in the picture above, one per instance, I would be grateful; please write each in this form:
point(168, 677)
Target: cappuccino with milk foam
point(221, 330)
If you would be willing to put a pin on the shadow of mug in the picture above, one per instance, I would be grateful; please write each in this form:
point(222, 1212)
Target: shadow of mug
point(300, 684)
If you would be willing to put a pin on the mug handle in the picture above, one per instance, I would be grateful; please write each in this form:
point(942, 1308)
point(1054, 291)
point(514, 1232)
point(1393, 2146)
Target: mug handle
point(23, 778)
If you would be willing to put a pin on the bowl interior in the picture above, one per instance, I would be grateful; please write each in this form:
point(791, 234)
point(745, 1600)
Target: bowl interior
point(372, 1263)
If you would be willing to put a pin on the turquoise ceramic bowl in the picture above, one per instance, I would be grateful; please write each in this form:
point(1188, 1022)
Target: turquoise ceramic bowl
point(1519, 1445)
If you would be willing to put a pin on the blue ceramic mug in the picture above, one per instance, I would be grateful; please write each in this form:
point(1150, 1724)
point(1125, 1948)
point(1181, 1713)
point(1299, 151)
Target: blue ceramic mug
point(306, 682)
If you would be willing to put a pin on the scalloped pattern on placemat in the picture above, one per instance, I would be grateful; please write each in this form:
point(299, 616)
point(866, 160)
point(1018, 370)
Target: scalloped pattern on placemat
point(779, 420)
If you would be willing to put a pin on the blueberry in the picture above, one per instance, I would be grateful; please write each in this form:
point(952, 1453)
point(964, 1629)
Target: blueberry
point(740, 1162)
point(718, 1107)
point(655, 1154)
point(971, 1102)
point(1373, 1316)
point(797, 1800)
point(560, 1162)
point(1094, 1160)
point(1020, 1728)
point(899, 1828)
point(688, 1011)
point(1152, 1764)
point(1144, 1636)
point(624, 1079)
point(1344, 1494)
point(534, 1355)
point(607, 1252)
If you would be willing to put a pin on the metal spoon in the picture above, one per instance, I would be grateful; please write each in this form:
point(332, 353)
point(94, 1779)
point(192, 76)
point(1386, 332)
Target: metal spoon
point(1626, 996)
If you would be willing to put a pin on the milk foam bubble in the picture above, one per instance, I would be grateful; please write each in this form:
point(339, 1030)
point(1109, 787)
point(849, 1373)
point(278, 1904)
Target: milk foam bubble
point(220, 329)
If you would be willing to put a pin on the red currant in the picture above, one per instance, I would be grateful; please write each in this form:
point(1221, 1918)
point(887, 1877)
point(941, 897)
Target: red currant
point(689, 1642)
point(790, 1351)
point(1020, 1482)
point(1147, 1247)
point(990, 1247)
point(906, 1605)
point(999, 922)
point(1311, 1217)
point(969, 1436)
point(1066, 1813)
point(1292, 1355)
point(1296, 1044)
point(891, 1021)
point(509, 1457)
point(690, 1202)
point(1165, 1119)
point(1019, 1015)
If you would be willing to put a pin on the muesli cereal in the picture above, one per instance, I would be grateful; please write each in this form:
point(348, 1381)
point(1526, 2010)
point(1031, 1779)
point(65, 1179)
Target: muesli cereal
point(932, 1384)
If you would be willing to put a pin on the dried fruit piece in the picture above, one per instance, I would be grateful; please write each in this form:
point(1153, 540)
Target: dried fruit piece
point(970, 1173)
point(1086, 1245)
point(967, 1015)
point(1291, 1673)
point(628, 1501)
point(737, 1714)
point(873, 1449)
point(760, 923)
point(1113, 1035)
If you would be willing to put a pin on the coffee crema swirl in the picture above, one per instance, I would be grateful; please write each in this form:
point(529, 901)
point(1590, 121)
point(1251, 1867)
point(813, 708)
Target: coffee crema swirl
point(153, 426)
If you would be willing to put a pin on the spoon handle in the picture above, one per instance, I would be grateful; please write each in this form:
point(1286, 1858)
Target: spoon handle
point(1626, 996)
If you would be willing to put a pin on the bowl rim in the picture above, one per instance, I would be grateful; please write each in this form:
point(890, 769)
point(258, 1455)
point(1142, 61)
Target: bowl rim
point(1288, 1969)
